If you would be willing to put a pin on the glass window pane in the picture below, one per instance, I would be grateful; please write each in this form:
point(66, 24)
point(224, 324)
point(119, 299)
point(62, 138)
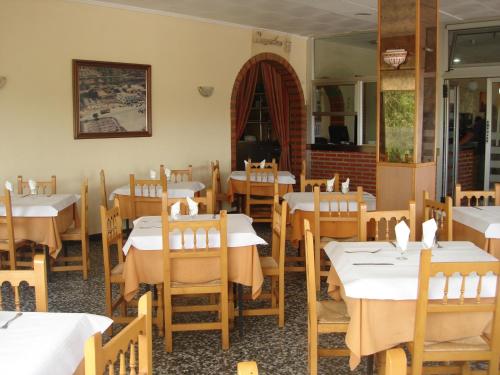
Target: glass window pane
point(474, 46)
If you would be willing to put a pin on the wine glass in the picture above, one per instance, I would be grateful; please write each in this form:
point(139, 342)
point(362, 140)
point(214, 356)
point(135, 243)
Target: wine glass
point(402, 252)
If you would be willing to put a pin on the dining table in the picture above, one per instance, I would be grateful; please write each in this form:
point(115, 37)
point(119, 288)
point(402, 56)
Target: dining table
point(40, 343)
point(42, 218)
point(479, 224)
point(237, 184)
point(181, 189)
point(380, 292)
point(301, 206)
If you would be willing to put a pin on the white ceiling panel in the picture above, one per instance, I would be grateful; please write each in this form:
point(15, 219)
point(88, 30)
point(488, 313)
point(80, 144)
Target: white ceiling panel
point(305, 17)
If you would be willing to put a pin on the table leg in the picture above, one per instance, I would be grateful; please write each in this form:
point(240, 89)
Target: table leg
point(369, 364)
point(240, 309)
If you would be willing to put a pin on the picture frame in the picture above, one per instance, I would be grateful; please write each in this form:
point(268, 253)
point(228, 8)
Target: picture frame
point(111, 100)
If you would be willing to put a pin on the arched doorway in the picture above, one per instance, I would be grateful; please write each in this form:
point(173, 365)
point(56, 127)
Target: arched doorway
point(296, 107)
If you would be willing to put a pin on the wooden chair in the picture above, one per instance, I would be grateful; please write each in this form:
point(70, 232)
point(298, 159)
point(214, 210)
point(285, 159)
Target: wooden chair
point(150, 195)
point(102, 189)
point(384, 222)
point(480, 348)
point(392, 362)
point(205, 204)
point(101, 359)
point(172, 288)
point(37, 278)
point(442, 213)
point(324, 317)
point(257, 179)
point(247, 368)
point(309, 184)
point(334, 203)
point(43, 187)
point(9, 244)
point(218, 195)
point(477, 196)
point(77, 233)
point(178, 175)
point(274, 266)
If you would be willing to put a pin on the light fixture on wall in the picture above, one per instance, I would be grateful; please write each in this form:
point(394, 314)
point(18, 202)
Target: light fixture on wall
point(206, 91)
point(395, 57)
point(3, 81)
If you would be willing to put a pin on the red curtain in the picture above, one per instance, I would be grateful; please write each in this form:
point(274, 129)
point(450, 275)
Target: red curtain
point(278, 102)
point(244, 99)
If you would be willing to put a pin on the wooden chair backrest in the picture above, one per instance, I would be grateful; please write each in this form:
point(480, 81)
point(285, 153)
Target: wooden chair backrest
point(310, 184)
point(102, 189)
point(257, 177)
point(452, 305)
point(247, 368)
point(178, 175)
point(111, 229)
point(101, 359)
point(150, 191)
point(200, 250)
point(476, 197)
point(312, 314)
point(7, 243)
point(442, 213)
point(37, 278)
point(43, 187)
point(335, 202)
point(385, 221)
point(205, 204)
point(279, 232)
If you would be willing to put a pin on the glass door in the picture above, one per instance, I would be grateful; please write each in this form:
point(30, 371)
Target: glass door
point(492, 134)
point(450, 138)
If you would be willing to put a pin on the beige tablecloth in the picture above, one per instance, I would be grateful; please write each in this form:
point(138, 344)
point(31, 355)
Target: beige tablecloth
point(463, 232)
point(146, 266)
point(239, 187)
point(44, 230)
point(378, 325)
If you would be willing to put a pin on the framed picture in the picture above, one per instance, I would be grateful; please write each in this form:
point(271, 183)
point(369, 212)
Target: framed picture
point(111, 99)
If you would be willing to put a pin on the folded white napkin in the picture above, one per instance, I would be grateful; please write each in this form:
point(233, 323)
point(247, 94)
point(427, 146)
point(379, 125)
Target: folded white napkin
point(329, 185)
point(429, 229)
point(32, 184)
point(152, 174)
point(168, 173)
point(402, 234)
point(262, 163)
point(345, 186)
point(193, 207)
point(8, 186)
point(175, 210)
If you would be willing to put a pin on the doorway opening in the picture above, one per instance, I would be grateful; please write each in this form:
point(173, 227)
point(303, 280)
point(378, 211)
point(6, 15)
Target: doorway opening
point(268, 116)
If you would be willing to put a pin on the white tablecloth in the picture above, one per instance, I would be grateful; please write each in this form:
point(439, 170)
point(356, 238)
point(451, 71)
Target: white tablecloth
point(399, 281)
point(284, 177)
point(175, 190)
point(46, 343)
point(147, 235)
point(484, 219)
point(305, 202)
point(40, 205)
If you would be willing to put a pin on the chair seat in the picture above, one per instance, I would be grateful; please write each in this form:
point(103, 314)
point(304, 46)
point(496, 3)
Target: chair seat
point(268, 262)
point(476, 343)
point(4, 244)
point(176, 284)
point(72, 234)
point(332, 312)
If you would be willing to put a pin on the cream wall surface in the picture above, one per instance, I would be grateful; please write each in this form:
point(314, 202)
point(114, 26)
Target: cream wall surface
point(39, 39)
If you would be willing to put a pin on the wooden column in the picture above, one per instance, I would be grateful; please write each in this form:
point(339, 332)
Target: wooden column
point(406, 121)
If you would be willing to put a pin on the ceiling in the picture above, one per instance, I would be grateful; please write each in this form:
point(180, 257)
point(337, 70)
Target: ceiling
point(304, 17)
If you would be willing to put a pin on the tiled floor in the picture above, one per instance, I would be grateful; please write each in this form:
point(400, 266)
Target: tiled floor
point(277, 351)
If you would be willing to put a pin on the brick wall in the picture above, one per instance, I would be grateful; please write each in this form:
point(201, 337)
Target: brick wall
point(360, 167)
point(466, 165)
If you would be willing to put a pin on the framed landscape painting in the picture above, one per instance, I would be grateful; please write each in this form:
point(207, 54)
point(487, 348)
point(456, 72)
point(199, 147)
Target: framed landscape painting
point(111, 99)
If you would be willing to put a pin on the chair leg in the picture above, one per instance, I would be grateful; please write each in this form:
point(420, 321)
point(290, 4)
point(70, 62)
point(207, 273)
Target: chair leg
point(317, 265)
point(273, 291)
point(313, 353)
point(224, 318)
point(168, 322)
point(281, 301)
point(123, 305)
point(159, 310)
point(493, 366)
point(85, 260)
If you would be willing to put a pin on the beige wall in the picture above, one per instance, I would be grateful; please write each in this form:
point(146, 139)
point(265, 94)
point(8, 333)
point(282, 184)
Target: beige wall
point(38, 40)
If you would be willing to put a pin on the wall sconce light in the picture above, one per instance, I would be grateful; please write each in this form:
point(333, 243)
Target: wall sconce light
point(3, 81)
point(206, 91)
point(395, 57)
